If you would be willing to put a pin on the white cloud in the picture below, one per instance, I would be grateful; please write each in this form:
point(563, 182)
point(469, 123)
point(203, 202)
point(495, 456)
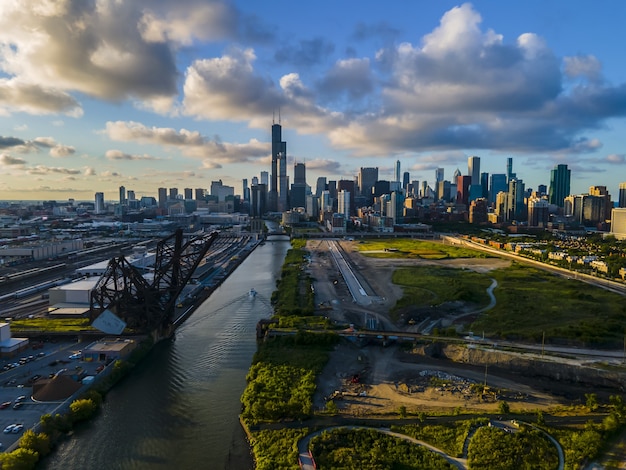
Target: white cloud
point(17, 95)
point(190, 143)
point(119, 155)
point(8, 160)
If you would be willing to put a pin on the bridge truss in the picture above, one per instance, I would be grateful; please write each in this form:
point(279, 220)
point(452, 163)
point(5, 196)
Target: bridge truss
point(147, 304)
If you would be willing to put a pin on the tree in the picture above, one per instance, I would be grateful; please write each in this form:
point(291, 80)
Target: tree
point(82, 409)
point(19, 459)
point(591, 401)
point(331, 407)
point(39, 442)
point(402, 411)
point(504, 408)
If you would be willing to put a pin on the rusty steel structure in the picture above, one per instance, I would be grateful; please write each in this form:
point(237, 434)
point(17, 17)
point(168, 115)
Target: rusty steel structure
point(147, 304)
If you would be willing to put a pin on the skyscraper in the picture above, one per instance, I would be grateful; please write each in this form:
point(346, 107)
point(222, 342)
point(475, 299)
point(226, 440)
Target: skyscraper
point(279, 152)
point(397, 177)
point(99, 203)
point(438, 175)
point(366, 180)
point(162, 194)
point(298, 188)
point(473, 169)
point(559, 185)
point(509, 170)
point(122, 195)
point(406, 177)
point(622, 195)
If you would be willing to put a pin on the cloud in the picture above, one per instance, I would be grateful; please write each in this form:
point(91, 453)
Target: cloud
point(89, 171)
point(19, 96)
point(190, 143)
point(8, 160)
point(223, 87)
point(323, 165)
point(382, 29)
point(582, 66)
point(351, 77)
point(6, 142)
point(119, 155)
point(47, 170)
point(616, 158)
point(305, 53)
point(62, 151)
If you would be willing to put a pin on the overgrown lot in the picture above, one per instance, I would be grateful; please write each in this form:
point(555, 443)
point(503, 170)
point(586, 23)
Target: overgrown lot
point(410, 248)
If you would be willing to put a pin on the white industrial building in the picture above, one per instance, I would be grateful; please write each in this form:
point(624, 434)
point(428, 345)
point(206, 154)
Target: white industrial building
point(10, 346)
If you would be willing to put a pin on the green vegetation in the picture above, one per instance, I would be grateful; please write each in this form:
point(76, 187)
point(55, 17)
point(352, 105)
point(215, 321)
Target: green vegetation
point(447, 437)
point(49, 325)
point(370, 450)
point(294, 294)
point(563, 309)
point(411, 248)
point(83, 409)
point(495, 449)
point(432, 285)
point(277, 449)
point(281, 381)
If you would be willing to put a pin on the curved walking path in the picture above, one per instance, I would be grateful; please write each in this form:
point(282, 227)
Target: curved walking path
point(307, 463)
point(492, 301)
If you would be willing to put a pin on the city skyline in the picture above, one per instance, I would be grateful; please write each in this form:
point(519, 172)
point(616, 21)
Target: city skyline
point(181, 94)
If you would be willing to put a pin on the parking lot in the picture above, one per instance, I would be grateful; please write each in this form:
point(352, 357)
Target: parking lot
point(17, 376)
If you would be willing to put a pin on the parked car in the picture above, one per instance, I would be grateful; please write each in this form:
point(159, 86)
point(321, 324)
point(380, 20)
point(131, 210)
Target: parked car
point(9, 428)
point(17, 428)
point(75, 356)
point(18, 405)
point(4, 405)
point(20, 398)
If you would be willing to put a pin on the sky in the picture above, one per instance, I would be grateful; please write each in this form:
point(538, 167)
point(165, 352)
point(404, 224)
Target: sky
point(98, 94)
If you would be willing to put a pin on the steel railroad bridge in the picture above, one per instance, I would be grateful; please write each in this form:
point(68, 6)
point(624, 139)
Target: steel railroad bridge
point(147, 306)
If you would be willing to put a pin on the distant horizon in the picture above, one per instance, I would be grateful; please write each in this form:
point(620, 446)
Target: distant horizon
point(151, 94)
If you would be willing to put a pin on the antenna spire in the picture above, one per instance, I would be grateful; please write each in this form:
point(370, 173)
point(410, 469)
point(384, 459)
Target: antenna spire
point(279, 115)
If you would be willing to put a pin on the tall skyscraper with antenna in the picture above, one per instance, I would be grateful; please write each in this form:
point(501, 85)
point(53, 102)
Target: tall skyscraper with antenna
point(279, 163)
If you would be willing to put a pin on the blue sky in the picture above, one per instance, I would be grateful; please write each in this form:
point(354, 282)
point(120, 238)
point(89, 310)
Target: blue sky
point(159, 93)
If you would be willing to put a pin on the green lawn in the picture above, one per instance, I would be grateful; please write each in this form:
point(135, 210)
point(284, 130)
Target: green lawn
point(410, 248)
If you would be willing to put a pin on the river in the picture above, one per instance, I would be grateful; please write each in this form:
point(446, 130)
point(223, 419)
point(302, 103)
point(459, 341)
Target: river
point(179, 408)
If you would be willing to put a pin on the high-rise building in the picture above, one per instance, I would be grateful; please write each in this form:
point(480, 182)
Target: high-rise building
point(406, 177)
point(283, 180)
point(279, 152)
point(173, 194)
point(462, 189)
point(122, 195)
point(618, 223)
point(258, 202)
point(497, 183)
point(343, 203)
point(366, 179)
point(473, 169)
point(349, 186)
point(559, 185)
point(162, 194)
point(538, 212)
point(265, 178)
point(200, 193)
point(320, 186)
point(245, 189)
point(438, 175)
point(298, 188)
point(397, 173)
point(509, 170)
point(188, 192)
point(516, 209)
point(603, 193)
point(622, 195)
point(99, 203)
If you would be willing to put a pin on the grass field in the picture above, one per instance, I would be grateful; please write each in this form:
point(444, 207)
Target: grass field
point(530, 302)
point(410, 248)
point(432, 285)
point(47, 324)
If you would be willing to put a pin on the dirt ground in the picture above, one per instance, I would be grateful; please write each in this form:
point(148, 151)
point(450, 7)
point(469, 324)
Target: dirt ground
point(365, 380)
